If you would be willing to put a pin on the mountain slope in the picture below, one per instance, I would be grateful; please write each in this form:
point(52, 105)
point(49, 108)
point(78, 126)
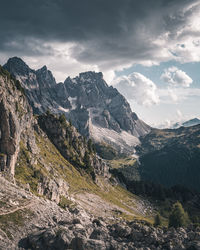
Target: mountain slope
point(95, 109)
point(171, 157)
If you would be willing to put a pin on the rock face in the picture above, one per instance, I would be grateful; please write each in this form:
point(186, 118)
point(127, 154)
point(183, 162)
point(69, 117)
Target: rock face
point(94, 108)
point(16, 129)
point(16, 122)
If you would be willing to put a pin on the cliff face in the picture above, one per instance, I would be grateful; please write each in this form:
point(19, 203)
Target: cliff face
point(95, 109)
point(16, 122)
point(19, 152)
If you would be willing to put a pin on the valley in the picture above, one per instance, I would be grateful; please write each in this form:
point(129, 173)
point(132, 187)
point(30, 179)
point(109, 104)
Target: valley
point(80, 170)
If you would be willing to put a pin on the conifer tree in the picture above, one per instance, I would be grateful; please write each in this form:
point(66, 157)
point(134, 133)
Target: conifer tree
point(157, 220)
point(178, 217)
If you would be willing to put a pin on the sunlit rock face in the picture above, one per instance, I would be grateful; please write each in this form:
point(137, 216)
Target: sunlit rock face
point(16, 122)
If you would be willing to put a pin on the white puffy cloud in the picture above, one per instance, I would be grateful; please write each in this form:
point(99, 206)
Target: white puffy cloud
point(176, 77)
point(138, 88)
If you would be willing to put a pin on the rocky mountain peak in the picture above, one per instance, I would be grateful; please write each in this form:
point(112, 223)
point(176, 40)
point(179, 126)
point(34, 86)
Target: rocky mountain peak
point(91, 75)
point(87, 80)
point(43, 69)
point(16, 65)
point(95, 109)
point(45, 77)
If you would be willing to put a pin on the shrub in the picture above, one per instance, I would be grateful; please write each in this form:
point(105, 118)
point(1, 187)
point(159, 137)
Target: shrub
point(62, 119)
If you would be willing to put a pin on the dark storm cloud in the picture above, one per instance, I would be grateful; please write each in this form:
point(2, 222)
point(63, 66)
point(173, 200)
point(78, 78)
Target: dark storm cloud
point(113, 30)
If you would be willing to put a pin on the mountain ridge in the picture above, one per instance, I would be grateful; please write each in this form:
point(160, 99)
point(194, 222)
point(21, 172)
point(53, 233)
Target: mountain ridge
point(92, 106)
point(187, 123)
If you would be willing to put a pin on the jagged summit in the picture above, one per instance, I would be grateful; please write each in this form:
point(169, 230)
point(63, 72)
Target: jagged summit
point(45, 77)
point(17, 65)
point(91, 75)
point(16, 60)
point(95, 109)
point(29, 77)
point(43, 69)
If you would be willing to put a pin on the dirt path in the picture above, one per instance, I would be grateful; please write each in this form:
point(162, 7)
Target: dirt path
point(17, 208)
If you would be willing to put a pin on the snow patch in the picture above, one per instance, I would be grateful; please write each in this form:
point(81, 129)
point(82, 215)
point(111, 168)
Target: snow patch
point(72, 102)
point(123, 140)
point(37, 105)
point(63, 109)
point(74, 80)
point(108, 101)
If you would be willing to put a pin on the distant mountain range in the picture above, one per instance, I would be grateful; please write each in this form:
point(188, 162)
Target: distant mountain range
point(99, 111)
point(94, 108)
point(191, 122)
point(171, 157)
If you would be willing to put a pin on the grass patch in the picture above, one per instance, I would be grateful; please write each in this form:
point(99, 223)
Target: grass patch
point(66, 203)
point(128, 166)
point(12, 221)
point(122, 162)
point(25, 172)
point(78, 181)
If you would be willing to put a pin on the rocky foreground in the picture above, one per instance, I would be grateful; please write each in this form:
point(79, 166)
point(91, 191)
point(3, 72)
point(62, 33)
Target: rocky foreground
point(95, 234)
point(32, 222)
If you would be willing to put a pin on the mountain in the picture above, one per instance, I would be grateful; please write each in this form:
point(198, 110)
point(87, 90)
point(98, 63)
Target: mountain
point(54, 187)
point(171, 157)
point(97, 110)
point(100, 112)
point(57, 193)
point(191, 122)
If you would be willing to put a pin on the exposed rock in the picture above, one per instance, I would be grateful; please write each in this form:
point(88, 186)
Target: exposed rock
point(52, 189)
point(74, 147)
point(95, 109)
point(145, 238)
point(16, 123)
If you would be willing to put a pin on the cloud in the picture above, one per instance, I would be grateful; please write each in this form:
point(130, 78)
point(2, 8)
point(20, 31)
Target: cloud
point(178, 95)
point(138, 88)
point(172, 95)
point(179, 114)
point(110, 35)
point(176, 77)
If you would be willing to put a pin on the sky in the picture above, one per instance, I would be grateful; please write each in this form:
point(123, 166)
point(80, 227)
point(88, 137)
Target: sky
point(148, 49)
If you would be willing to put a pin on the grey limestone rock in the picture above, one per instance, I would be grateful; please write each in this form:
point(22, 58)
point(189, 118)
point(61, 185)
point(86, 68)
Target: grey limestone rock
point(94, 108)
